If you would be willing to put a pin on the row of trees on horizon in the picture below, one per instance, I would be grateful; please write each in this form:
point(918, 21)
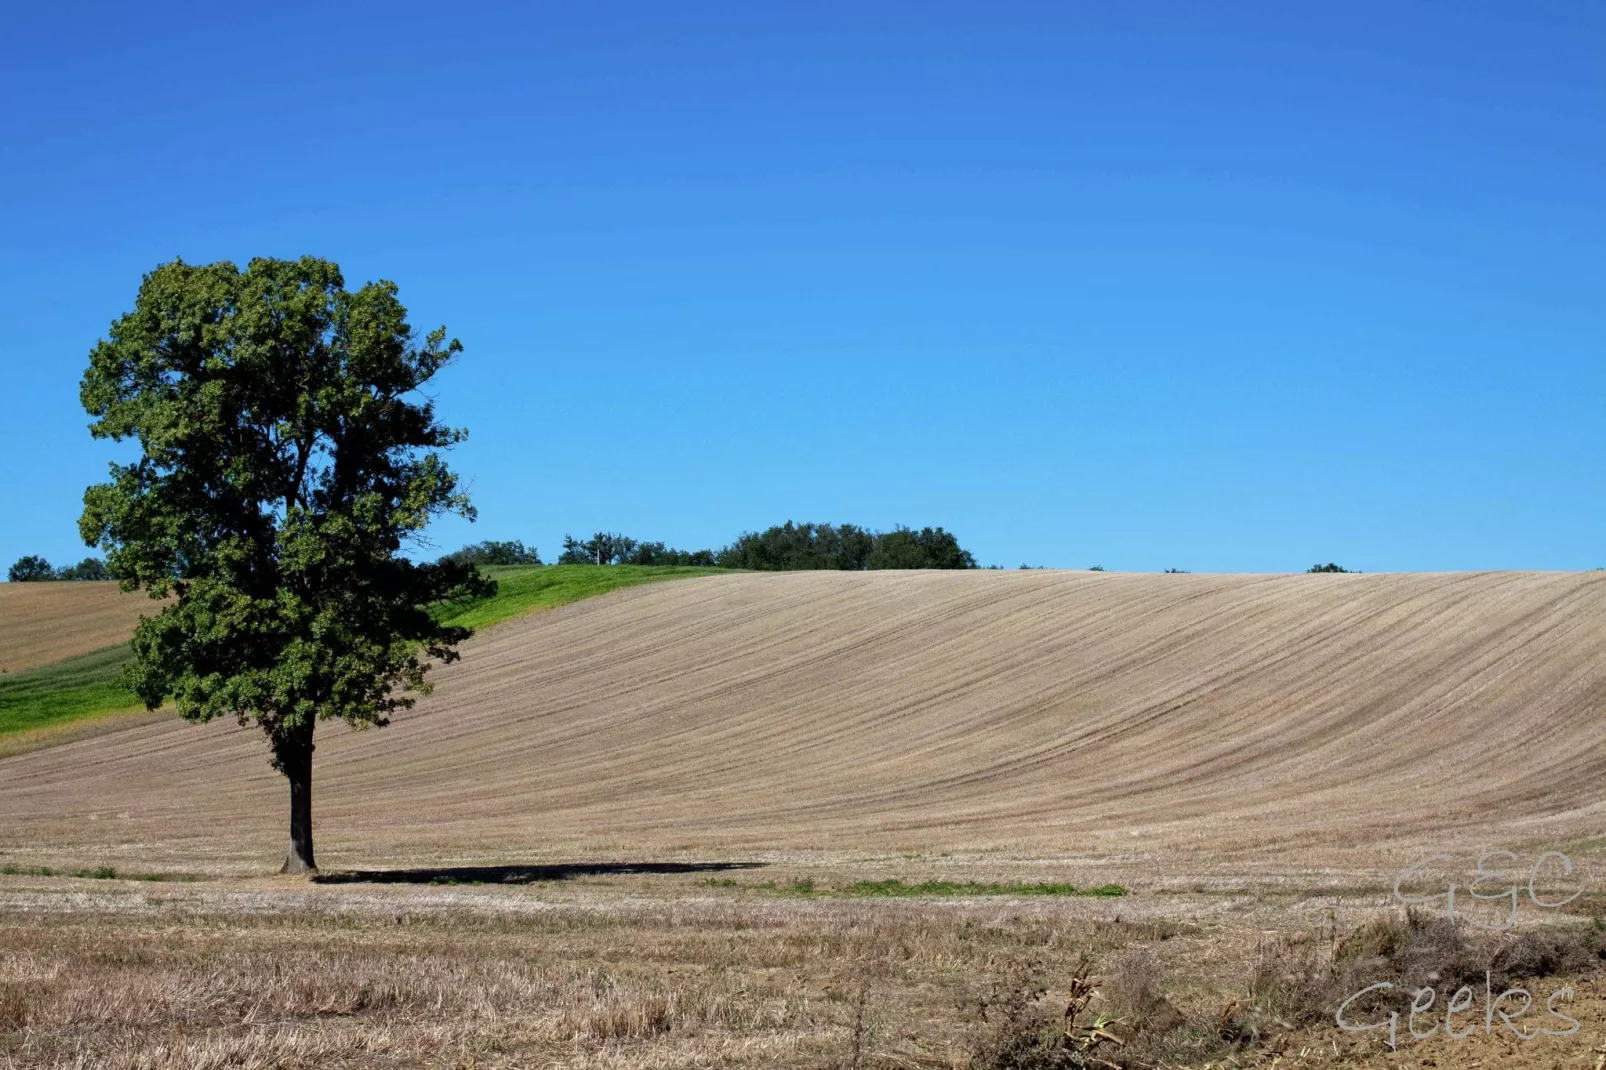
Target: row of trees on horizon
point(783, 547)
point(34, 568)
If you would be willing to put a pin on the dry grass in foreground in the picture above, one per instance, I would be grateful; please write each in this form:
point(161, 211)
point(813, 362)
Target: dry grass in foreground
point(654, 971)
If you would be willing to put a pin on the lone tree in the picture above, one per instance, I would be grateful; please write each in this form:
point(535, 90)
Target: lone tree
point(287, 457)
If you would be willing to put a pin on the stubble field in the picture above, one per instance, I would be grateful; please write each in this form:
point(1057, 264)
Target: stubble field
point(655, 828)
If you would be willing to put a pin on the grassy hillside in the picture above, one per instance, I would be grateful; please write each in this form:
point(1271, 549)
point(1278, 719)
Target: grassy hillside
point(87, 685)
point(68, 690)
point(524, 589)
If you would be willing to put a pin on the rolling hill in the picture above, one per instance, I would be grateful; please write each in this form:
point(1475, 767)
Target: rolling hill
point(1278, 721)
point(67, 682)
point(46, 622)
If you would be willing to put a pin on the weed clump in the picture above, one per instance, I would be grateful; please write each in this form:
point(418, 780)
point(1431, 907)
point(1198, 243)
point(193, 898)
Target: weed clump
point(1295, 983)
point(1124, 1019)
point(1017, 1029)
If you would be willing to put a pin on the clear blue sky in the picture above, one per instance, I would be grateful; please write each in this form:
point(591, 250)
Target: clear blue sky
point(1223, 287)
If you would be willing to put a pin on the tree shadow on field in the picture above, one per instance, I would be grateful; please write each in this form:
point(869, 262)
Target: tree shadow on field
point(521, 874)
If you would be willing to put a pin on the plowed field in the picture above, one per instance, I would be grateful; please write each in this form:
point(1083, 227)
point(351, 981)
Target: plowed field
point(1161, 722)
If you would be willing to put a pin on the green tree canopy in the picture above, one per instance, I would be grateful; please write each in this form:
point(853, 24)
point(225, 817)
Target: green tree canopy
point(30, 569)
point(611, 548)
point(603, 548)
point(657, 553)
point(792, 546)
point(90, 568)
point(927, 548)
point(287, 455)
point(785, 547)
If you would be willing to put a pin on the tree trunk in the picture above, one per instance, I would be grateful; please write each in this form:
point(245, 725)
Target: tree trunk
point(296, 761)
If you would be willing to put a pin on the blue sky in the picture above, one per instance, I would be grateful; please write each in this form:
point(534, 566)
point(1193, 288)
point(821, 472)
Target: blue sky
point(1224, 287)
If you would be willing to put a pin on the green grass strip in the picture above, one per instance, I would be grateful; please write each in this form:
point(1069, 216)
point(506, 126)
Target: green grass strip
point(68, 690)
point(524, 589)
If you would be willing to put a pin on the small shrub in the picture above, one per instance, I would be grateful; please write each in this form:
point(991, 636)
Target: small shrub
point(1549, 953)
point(1288, 984)
point(1133, 990)
point(1116, 1021)
point(1018, 1029)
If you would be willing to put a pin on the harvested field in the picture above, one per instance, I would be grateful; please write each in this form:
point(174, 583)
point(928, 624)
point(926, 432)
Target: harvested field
point(45, 622)
point(1174, 725)
point(819, 820)
point(639, 971)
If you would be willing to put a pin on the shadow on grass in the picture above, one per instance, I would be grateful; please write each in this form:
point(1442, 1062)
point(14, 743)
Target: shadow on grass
point(521, 874)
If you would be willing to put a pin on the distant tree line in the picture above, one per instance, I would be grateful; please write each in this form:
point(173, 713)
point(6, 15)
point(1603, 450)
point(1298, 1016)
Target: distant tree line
point(1329, 567)
point(782, 548)
point(611, 548)
point(33, 569)
point(846, 547)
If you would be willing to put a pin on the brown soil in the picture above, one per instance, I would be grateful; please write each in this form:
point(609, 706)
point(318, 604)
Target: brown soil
point(45, 622)
point(1177, 725)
